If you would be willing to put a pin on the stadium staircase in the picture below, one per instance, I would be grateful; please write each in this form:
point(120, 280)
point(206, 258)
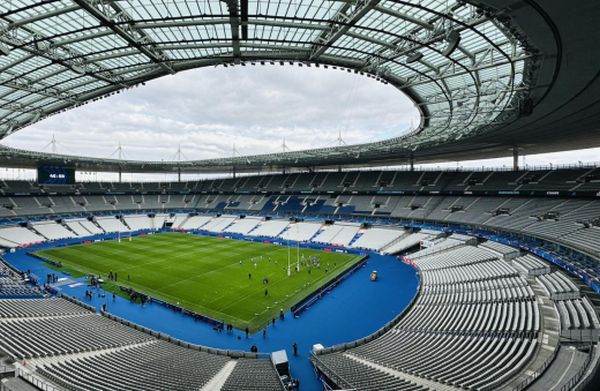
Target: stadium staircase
point(59, 358)
point(31, 227)
point(218, 381)
point(75, 234)
point(384, 249)
point(417, 381)
point(355, 238)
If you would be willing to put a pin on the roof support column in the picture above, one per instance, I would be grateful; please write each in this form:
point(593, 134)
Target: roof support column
point(515, 151)
point(234, 21)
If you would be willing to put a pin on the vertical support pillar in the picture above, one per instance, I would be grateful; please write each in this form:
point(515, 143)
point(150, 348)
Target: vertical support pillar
point(412, 162)
point(178, 174)
point(515, 152)
point(120, 174)
point(233, 171)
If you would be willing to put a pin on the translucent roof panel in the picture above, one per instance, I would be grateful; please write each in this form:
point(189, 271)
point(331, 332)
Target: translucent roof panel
point(460, 65)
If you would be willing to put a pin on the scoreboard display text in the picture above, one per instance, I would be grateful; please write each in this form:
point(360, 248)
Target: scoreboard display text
point(55, 175)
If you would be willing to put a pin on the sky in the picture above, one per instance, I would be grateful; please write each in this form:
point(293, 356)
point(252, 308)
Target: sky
point(218, 112)
point(207, 111)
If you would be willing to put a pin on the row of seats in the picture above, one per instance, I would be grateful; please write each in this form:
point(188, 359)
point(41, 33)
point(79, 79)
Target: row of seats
point(568, 221)
point(530, 265)
point(377, 238)
point(356, 375)
point(25, 308)
point(464, 360)
point(339, 234)
point(475, 324)
point(10, 288)
point(447, 257)
point(81, 350)
point(65, 334)
point(436, 245)
point(559, 286)
point(576, 179)
point(155, 366)
point(498, 290)
point(12, 284)
point(300, 232)
point(579, 320)
point(252, 375)
point(470, 272)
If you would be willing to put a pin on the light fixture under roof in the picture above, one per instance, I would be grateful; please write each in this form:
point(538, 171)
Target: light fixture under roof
point(4, 49)
point(414, 57)
point(453, 39)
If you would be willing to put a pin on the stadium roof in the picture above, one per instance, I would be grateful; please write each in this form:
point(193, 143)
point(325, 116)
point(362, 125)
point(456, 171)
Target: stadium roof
point(485, 75)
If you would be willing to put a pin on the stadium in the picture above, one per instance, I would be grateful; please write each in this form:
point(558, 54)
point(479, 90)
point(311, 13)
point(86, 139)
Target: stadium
point(354, 266)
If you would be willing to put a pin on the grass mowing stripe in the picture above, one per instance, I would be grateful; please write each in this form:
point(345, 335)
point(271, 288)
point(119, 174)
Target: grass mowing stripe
point(207, 275)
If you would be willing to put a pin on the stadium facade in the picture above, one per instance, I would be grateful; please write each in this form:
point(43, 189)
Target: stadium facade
point(508, 260)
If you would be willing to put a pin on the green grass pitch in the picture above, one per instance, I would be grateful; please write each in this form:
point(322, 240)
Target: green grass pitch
point(207, 275)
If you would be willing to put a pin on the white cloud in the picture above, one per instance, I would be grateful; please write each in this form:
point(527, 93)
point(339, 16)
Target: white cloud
point(208, 110)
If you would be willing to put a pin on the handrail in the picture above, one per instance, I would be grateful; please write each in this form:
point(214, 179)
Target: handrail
point(339, 380)
point(223, 352)
point(573, 380)
point(535, 374)
point(36, 381)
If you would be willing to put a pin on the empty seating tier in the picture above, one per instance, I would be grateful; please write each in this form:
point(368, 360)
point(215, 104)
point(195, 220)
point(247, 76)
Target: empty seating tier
point(476, 324)
point(252, 375)
point(559, 286)
point(24, 308)
point(75, 348)
point(156, 366)
point(38, 337)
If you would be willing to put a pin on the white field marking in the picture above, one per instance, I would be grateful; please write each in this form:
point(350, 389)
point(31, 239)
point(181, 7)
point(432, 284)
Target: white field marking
point(245, 297)
point(124, 252)
point(285, 301)
point(115, 249)
point(219, 269)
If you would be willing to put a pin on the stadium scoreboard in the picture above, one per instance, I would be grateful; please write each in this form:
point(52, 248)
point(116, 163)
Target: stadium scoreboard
point(55, 175)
